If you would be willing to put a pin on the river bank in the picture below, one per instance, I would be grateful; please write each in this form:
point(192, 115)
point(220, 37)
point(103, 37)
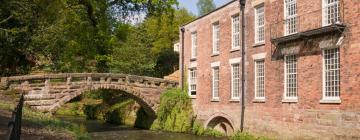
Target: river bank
point(37, 126)
point(174, 120)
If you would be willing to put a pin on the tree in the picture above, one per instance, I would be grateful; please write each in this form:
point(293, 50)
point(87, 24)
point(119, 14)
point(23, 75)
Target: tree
point(205, 6)
point(65, 35)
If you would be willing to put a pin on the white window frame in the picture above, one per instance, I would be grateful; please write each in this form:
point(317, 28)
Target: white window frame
point(215, 92)
point(289, 20)
point(233, 97)
point(325, 6)
point(286, 74)
point(325, 97)
point(194, 42)
point(257, 27)
point(216, 38)
point(192, 82)
point(235, 34)
point(256, 80)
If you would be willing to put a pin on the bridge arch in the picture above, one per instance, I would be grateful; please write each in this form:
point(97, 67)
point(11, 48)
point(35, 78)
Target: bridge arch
point(220, 122)
point(49, 92)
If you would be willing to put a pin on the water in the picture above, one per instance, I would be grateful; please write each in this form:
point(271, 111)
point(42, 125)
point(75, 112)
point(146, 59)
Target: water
point(102, 131)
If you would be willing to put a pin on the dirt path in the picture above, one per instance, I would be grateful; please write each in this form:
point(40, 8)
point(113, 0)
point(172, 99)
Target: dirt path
point(29, 131)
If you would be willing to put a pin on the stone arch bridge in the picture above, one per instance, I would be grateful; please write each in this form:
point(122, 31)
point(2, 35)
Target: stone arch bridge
point(49, 92)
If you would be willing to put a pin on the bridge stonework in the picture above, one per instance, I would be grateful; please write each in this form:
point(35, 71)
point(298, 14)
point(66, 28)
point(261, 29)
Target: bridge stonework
point(49, 92)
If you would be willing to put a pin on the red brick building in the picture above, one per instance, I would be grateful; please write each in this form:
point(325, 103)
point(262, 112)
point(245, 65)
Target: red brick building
point(302, 70)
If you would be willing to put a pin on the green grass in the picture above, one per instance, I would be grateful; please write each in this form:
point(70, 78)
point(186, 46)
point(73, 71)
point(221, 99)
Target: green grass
point(199, 130)
point(246, 136)
point(49, 122)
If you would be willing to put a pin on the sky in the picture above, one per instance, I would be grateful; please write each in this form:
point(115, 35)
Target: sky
point(191, 4)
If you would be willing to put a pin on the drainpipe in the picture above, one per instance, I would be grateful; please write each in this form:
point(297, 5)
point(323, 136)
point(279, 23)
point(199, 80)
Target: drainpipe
point(242, 9)
point(182, 59)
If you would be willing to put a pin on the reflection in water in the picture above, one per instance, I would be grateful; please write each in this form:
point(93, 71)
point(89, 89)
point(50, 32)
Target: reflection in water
point(101, 131)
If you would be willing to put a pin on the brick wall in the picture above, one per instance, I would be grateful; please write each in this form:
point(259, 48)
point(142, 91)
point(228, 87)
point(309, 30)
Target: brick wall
point(305, 119)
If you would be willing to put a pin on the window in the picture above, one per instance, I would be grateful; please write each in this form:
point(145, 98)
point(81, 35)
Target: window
point(216, 38)
point(290, 17)
point(235, 32)
point(192, 82)
point(235, 81)
point(193, 45)
point(331, 74)
point(259, 24)
point(290, 77)
point(260, 79)
point(215, 83)
point(331, 12)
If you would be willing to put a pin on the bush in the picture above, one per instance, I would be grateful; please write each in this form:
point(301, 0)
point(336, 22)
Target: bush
point(174, 113)
point(246, 136)
point(199, 130)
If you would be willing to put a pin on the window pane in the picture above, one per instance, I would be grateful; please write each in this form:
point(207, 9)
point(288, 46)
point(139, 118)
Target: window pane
point(331, 12)
point(192, 81)
point(216, 82)
point(290, 76)
point(235, 32)
point(290, 17)
point(259, 79)
point(331, 73)
point(259, 24)
point(235, 81)
point(216, 38)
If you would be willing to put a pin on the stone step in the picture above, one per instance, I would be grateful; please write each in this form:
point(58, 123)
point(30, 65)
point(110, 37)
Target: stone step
point(41, 102)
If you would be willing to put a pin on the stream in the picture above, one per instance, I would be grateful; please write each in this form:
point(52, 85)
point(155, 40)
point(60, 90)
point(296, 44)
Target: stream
point(99, 130)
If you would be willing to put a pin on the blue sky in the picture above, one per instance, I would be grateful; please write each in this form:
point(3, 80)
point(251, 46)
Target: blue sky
point(191, 4)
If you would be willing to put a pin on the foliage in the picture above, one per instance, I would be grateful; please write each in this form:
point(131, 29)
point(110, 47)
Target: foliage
point(246, 136)
point(71, 109)
point(48, 121)
point(205, 6)
point(79, 36)
point(146, 48)
point(199, 130)
point(96, 111)
point(143, 120)
point(120, 113)
point(174, 113)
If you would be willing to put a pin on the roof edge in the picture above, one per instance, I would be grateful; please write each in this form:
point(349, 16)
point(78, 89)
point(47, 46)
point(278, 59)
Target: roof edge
point(200, 17)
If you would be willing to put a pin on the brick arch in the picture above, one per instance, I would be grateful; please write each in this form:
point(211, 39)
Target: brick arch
point(49, 92)
point(220, 122)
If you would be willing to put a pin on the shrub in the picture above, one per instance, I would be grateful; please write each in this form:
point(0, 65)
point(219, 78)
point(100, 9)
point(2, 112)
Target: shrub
point(174, 113)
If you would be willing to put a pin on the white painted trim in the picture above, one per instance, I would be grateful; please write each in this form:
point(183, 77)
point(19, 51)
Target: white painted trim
point(235, 60)
point(213, 83)
point(259, 56)
point(262, 99)
point(189, 83)
point(192, 65)
point(255, 23)
point(285, 19)
point(233, 47)
point(285, 98)
point(215, 64)
point(324, 98)
point(232, 80)
point(194, 45)
point(214, 37)
point(255, 3)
